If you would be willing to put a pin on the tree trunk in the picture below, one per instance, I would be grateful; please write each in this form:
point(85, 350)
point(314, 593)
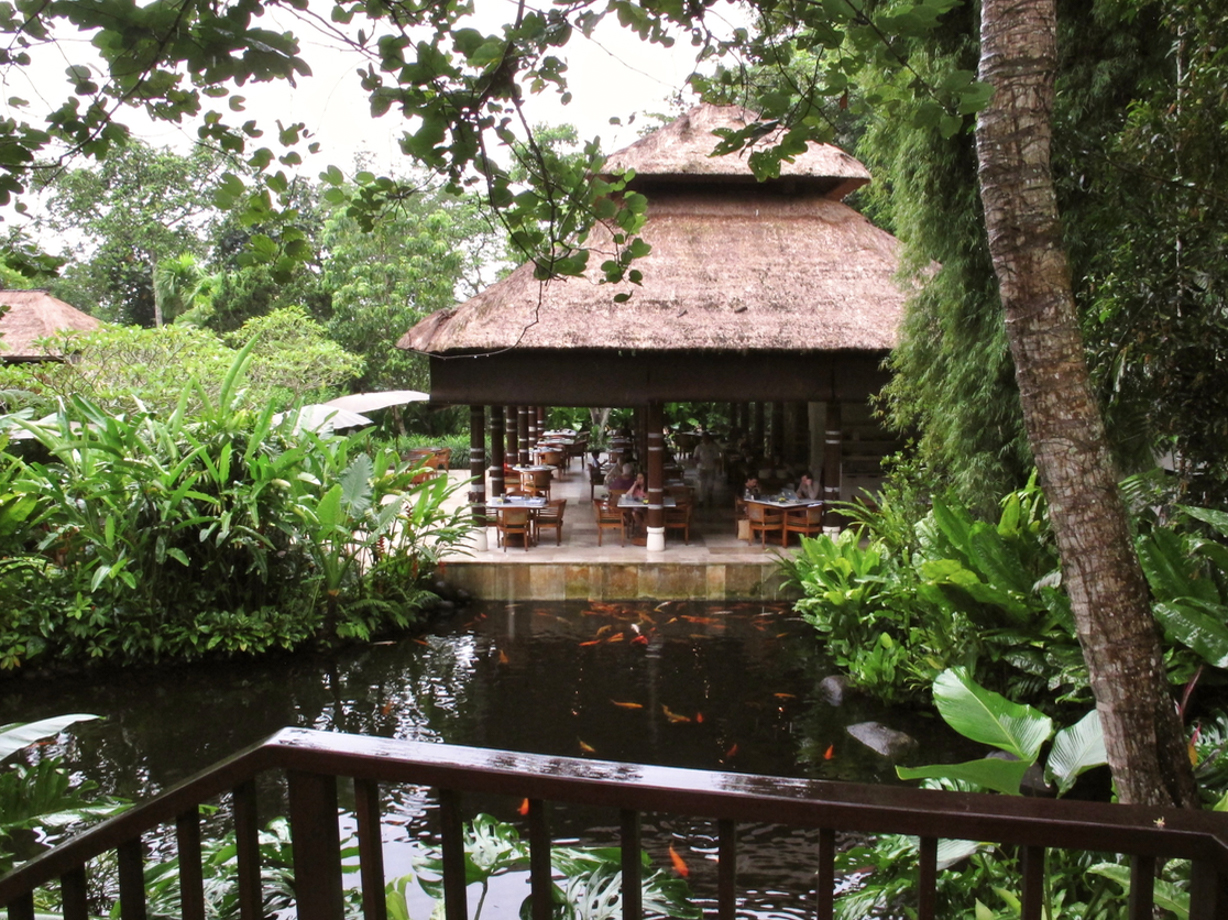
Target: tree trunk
point(1121, 643)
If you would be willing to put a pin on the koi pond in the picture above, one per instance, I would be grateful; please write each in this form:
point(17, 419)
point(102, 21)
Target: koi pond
point(733, 686)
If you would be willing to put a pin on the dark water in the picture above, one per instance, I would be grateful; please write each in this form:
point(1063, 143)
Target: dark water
point(730, 687)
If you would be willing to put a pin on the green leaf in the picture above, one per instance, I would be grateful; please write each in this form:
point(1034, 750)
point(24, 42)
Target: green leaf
point(988, 717)
point(1197, 625)
point(1076, 749)
point(18, 735)
point(989, 773)
point(1166, 895)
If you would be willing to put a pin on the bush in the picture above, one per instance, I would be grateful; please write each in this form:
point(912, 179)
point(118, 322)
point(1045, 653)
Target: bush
point(146, 538)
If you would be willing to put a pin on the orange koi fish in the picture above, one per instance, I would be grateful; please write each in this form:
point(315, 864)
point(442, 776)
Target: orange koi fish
point(679, 864)
point(524, 808)
point(785, 696)
point(423, 642)
point(386, 708)
point(733, 751)
point(699, 717)
point(673, 716)
point(830, 752)
point(586, 748)
point(503, 659)
point(590, 642)
point(640, 640)
point(603, 630)
point(627, 705)
point(617, 637)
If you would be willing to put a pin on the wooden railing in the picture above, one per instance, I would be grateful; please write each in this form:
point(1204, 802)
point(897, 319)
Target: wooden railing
point(313, 761)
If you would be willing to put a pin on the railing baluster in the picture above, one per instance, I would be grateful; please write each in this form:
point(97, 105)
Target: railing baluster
point(632, 902)
point(726, 869)
point(191, 878)
point(370, 849)
point(453, 843)
point(73, 894)
point(22, 907)
point(927, 878)
point(1208, 897)
point(539, 861)
point(825, 881)
point(1033, 893)
point(247, 850)
point(131, 880)
point(317, 846)
point(1142, 887)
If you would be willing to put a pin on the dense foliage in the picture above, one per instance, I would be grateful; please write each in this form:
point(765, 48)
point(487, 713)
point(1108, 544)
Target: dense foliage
point(141, 537)
point(126, 368)
point(898, 599)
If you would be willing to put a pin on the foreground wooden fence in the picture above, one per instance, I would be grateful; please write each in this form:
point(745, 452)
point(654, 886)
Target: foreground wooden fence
point(313, 761)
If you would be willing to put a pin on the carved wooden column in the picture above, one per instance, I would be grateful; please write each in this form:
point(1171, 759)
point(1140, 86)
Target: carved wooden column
point(477, 469)
point(654, 421)
point(497, 454)
point(522, 435)
point(831, 453)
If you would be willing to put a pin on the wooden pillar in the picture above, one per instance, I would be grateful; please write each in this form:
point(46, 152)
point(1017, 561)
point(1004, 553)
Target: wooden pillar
point(731, 413)
point(513, 439)
point(497, 455)
point(778, 430)
point(477, 470)
point(639, 425)
point(541, 420)
point(654, 420)
point(756, 428)
point(800, 450)
point(534, 431)
point(831, 453)
point(522, 435)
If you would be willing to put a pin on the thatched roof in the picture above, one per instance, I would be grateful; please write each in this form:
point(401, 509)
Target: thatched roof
point(34, 315)
point(733, 267)
point(683, 150)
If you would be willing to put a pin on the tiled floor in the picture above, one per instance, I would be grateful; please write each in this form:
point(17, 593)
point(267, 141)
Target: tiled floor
point(714, 565)
point(713, 534)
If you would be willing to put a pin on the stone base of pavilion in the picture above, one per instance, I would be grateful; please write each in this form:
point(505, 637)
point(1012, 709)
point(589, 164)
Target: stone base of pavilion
point(716, 565)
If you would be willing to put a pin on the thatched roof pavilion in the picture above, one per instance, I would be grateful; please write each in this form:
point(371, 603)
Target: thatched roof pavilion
point(753, 291)
point(34, 315)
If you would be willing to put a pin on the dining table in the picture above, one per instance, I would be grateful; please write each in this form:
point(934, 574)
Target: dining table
point(498, 504)
point(641, 504)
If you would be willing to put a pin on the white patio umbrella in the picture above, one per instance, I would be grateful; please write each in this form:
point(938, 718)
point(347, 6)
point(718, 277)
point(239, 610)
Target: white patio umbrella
point(322, 417)
point(369, 402)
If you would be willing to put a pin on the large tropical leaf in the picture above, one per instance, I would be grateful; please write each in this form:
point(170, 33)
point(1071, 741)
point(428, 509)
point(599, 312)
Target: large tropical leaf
point(1165, 894)
point(17, 735)
point(988, 773)
point(988, 717)
point(356, 485)
point(1198, 625)
point(1076, 749)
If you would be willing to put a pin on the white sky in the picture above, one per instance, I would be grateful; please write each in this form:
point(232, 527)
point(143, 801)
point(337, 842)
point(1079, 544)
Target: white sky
point(613, 75)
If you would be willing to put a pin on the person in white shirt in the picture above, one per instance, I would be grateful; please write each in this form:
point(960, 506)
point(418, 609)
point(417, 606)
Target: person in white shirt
point(707, 457)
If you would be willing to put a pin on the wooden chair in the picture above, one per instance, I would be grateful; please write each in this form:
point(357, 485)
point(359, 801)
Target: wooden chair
point(765, 520)
point(554, 457)
point(679, 518)
point(595, 478)
point(536, 482)
point(550, 516)
point(805, 521)
point(609, 518)
point(515, 522)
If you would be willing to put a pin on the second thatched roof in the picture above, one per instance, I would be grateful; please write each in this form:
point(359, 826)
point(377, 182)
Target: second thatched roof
point(34, 315)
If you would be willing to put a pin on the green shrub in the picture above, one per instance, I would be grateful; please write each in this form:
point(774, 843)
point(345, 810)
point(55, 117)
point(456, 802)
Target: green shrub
point(214, 532)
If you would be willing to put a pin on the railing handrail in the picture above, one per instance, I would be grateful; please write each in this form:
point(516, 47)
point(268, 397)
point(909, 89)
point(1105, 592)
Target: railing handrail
point(1134, 830)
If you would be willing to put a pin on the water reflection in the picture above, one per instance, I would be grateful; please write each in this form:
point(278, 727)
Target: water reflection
point(729, 687)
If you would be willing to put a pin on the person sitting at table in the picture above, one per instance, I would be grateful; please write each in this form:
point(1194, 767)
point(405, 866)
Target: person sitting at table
point(751, 489)
point(807, 488)
point(623, 480)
